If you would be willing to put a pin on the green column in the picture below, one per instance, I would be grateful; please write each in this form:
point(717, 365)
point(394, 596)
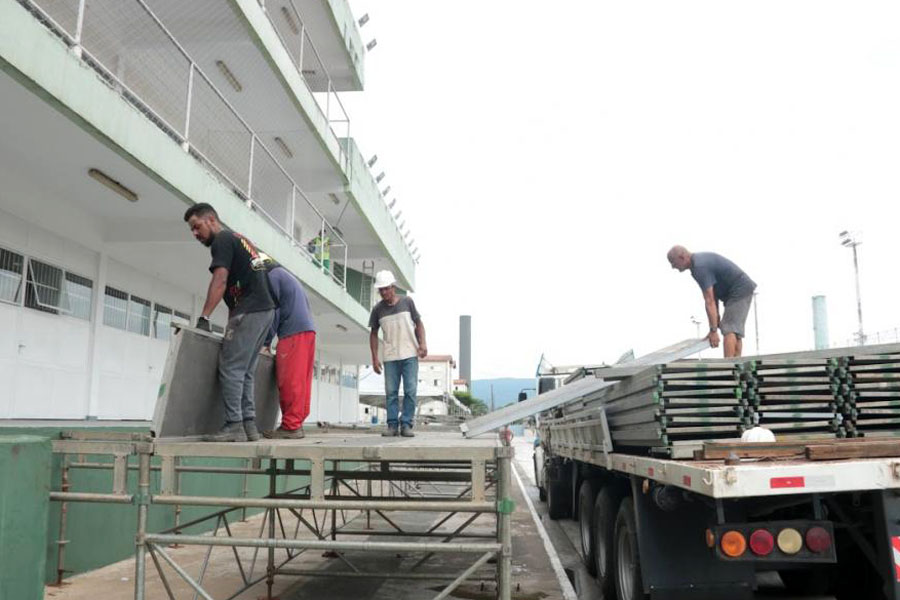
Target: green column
point(24, 501)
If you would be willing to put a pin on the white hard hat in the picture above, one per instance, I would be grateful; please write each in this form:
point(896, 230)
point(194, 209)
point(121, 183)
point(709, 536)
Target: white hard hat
point(384, 279)
point(758, 434)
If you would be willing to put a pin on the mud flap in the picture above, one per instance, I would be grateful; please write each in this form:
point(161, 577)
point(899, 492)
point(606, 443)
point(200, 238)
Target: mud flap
point(675, 560)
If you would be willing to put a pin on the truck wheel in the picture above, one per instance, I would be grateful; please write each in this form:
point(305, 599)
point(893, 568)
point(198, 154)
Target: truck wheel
point(605, 508)
point(559, 498)
point(586, 495)
point(629, 585)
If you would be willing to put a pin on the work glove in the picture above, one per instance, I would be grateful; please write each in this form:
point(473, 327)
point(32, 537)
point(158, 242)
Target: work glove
point(203, 324)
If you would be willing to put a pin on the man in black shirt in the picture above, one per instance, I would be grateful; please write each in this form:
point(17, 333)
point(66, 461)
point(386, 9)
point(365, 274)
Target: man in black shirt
point(239, 276)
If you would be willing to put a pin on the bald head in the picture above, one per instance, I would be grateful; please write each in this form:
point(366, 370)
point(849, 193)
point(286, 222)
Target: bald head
point(679, 258)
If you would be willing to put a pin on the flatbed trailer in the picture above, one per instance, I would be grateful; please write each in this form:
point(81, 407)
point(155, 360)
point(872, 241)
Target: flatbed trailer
point(700, 522)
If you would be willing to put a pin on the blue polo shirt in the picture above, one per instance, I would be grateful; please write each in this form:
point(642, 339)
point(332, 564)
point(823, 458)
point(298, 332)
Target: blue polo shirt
point(292, 312)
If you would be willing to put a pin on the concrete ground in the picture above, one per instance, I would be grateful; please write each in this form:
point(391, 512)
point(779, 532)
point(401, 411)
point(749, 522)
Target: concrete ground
point(533, 575)
point(565, 538)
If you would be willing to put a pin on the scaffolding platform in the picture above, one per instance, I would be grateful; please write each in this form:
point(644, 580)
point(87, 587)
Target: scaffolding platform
point(360, 493)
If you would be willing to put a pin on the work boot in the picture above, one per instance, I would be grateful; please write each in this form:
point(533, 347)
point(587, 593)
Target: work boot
point(230, 432)
point(406, 431)
point(284, 434)
point(251, 430)
point(391, 431)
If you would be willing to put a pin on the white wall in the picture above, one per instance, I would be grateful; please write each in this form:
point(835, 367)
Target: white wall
point(429, 372)
point(47, 367)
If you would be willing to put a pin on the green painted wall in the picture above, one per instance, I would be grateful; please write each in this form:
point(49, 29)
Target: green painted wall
point(24, 479)
point(118, 522)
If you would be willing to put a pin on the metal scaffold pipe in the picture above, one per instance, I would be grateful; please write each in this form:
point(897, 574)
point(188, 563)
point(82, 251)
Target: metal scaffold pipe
point(398, 505)
point(203, 540)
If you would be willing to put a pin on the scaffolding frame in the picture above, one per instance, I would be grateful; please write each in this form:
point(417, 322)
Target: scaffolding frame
point(360, 479)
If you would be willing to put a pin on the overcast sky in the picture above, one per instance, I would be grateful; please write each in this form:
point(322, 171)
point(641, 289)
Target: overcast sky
point(547, 154)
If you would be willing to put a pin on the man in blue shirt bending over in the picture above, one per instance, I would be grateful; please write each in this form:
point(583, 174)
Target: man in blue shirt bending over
point(719, 279)
point(294, 354)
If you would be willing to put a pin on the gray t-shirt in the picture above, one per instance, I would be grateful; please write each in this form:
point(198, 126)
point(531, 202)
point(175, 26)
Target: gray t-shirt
point(397, 324)
point(728, 281)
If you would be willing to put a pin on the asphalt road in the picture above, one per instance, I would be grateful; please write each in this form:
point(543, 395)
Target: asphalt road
point(564, 537)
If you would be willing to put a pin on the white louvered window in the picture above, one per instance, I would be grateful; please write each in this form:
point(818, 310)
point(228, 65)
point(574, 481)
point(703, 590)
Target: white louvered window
point(12, 266)
point(115, 308)
point(139, 315)
point(162, 319)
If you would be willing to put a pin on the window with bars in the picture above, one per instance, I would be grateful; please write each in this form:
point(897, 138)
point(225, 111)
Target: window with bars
point(44, 288)
point(139, 315)
point(80, 293)
point(115, 308)
point(11, 268)
point(162, 319)
point(54, 290)
point(128, 312)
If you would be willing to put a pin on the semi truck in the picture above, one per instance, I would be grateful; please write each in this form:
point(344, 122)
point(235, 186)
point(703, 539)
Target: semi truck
point(822, 512)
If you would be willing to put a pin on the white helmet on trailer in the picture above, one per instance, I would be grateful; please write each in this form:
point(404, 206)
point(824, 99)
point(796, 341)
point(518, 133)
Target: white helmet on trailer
point(758, 434)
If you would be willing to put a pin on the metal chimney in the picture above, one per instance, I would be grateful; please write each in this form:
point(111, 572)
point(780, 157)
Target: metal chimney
point(465, 349)
point(820, 322)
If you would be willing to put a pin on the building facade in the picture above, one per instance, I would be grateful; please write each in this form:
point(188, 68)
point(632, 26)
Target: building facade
point(119, 114)
point(436, 371)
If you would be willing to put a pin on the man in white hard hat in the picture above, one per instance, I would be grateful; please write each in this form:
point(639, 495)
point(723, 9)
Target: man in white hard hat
point(404, 344)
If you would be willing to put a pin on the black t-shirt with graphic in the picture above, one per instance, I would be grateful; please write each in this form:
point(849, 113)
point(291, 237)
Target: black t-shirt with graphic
point(247, 289)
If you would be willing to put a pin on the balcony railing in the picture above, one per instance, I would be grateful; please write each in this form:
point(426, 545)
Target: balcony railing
point(291, 30)
point(125, 42)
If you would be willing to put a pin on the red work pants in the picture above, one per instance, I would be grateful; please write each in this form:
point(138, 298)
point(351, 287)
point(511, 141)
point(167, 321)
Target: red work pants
point(294, 358)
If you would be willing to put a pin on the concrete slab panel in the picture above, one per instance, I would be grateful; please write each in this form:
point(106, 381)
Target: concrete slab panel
point(189, 403)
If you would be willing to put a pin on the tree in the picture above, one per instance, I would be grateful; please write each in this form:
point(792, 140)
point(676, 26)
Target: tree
point(474, 404)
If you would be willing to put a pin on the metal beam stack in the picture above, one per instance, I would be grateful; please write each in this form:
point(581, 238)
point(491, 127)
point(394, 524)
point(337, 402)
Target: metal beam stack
point(681, 402)
point(874, 391)
point(800, 396)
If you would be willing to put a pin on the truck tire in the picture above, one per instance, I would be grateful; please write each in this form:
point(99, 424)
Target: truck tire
point(586, 495)
point(605, 508)
point(559, 496)
point(629, 584)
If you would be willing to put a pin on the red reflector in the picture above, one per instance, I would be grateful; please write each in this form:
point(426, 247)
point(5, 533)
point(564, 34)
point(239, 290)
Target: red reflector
point(787, 482)
point(818, 539)
point(762, 542)
point(686, 480)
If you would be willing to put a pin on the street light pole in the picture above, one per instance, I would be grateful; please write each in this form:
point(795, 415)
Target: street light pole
point(848, 241)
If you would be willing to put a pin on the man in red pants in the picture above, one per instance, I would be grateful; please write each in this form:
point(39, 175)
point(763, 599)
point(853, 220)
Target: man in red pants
point(295, 352)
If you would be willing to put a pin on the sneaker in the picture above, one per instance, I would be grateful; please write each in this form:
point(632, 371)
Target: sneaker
point(230, 432)
point(406, 431)
point(251, 430)
point(284, 434)
point(390, 432)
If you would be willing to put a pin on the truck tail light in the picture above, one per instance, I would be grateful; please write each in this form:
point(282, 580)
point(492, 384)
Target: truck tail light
point(818, 539)
point(790, 541)
point(762, 542)
point(710, 538)
point(733, 543)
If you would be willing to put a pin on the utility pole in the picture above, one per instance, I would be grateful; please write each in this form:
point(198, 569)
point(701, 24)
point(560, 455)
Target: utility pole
point(756, 322)
point(849, 241)
point(492, 397)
